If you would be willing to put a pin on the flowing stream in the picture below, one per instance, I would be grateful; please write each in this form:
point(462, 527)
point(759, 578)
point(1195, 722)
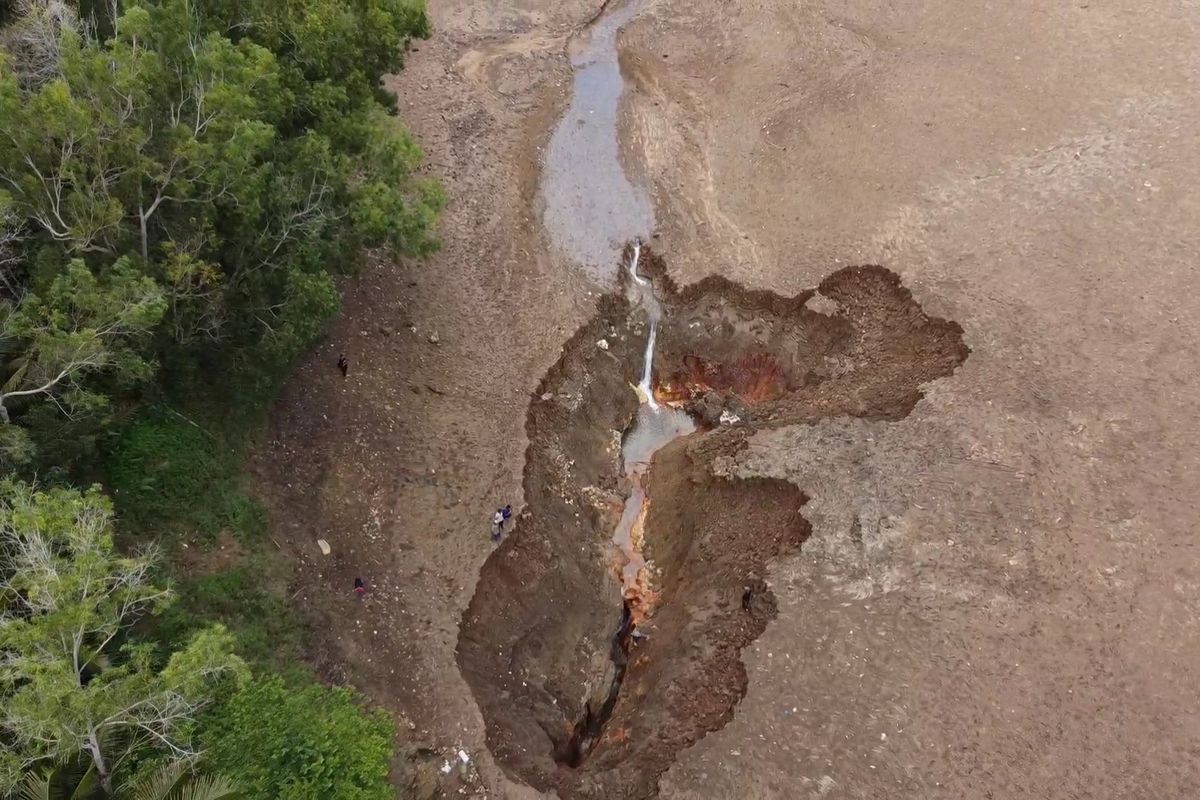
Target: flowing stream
point(654, 426)
point(590, 207)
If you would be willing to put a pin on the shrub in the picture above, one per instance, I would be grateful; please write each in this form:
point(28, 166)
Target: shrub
point(280, 743)
point(269, 635)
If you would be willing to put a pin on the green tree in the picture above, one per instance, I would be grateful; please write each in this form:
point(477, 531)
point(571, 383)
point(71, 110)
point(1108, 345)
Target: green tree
point(34, 36)
point(181, 183)
point(234, 148)
point(72, 684)
point(239, 155)
point(284, 743)
point(158, 118)
point(12, 235)
point(333, 53)
point(81, 324)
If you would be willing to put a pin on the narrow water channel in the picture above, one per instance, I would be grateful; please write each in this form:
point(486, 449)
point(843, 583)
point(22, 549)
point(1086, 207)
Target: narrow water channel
point(654, 427)
point(590, 207)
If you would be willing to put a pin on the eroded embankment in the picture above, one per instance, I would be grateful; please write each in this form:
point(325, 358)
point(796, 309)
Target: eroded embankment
point(536, 643)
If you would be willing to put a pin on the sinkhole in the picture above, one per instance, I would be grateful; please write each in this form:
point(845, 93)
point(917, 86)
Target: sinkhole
point(605, 634)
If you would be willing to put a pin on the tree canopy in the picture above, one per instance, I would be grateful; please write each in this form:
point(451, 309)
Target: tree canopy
point(205, 171)
point(181, 184)
point(72, 686)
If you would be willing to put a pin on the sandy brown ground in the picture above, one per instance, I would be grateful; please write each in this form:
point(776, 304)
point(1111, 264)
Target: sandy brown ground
point(400, 466)
point(999, 597)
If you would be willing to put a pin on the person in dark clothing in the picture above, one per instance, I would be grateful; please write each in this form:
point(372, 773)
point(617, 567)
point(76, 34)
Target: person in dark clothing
point(747, 599)
point(343, 364)
point(360, 588)
point(501, 516)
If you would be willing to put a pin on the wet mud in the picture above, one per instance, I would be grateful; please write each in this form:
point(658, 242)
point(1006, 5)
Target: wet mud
point(590, 207)
point(593, 693)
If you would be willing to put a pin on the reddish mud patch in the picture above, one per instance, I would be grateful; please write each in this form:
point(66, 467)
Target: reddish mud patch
point(570, 701)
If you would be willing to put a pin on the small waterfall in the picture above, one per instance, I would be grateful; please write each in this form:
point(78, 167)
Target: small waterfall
point(653, 428)
point(654, 312)
point(648, 368)
point(637, 253)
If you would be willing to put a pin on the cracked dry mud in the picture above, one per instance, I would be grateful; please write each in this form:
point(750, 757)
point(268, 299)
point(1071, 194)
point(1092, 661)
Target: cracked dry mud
point(536, 642)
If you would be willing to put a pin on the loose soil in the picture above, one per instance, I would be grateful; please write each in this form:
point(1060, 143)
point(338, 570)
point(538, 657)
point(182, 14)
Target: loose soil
point(998, 593)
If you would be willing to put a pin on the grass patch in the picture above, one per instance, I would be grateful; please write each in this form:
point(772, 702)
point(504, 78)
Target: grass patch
point(180, 481)
point(270, 636)
point(170, 477)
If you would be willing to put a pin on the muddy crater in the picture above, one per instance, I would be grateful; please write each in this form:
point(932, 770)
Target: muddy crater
point(590, 684)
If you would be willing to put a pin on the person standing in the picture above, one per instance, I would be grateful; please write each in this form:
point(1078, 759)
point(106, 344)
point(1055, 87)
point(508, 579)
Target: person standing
point(343, 364)
point(360, 588)
point(497, 525)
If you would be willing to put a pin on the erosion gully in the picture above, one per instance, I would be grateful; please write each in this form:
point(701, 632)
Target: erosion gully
point(655, 426)
point(591, 209)
point(551, 642)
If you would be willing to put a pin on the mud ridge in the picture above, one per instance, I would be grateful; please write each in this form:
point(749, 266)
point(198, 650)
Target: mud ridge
point(571, 701)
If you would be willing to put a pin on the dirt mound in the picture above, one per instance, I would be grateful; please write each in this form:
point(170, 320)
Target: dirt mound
point(545, 642)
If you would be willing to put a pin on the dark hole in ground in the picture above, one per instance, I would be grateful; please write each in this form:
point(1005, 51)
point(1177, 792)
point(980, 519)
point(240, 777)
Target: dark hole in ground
point(590, 726)
point(568, 705)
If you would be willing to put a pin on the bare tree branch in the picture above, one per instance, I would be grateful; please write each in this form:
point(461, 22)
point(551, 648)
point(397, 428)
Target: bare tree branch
point(56, 552)
point(35, 39)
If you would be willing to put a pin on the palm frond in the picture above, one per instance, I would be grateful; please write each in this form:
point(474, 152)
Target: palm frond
point(177, 781)
point(37, 787)
point(66, 781)
point(209, 787)
point(86, 786)
point(163, 783)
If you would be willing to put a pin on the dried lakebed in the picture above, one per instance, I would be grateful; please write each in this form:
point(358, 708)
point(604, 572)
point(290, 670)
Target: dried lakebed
point(571, 703)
